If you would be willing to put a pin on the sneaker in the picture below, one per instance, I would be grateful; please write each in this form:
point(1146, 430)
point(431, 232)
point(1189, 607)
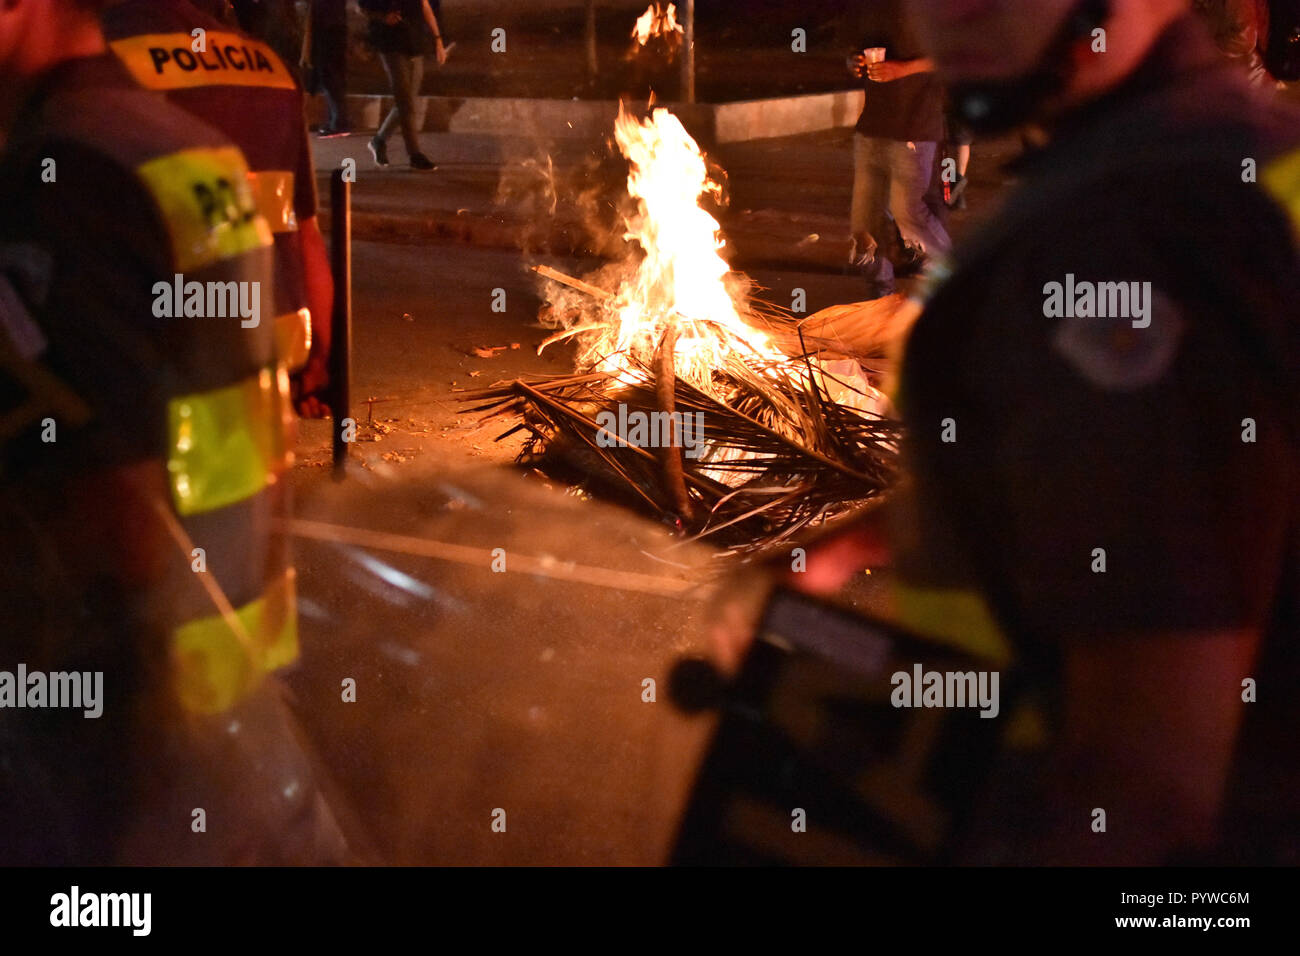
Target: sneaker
point(333, 132)
point(421, 162)
point(379, 150)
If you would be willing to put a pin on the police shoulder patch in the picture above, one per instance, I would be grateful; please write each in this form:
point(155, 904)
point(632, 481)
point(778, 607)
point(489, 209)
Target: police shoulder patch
point(206, 202)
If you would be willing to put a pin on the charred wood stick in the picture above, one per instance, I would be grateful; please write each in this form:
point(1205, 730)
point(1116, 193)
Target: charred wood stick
point(782, 439)
point(557, 276)
point(545, 402)
point(566, 333)
point(752, 513)
point(671, 454)
point(509, 388)
point(577, 418)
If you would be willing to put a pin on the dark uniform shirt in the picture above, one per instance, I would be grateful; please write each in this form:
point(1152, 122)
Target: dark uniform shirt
point(910, 109)
point(1072, 433)
point(240, 86)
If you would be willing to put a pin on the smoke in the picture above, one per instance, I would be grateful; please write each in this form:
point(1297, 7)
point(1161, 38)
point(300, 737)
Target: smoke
point(575, 209)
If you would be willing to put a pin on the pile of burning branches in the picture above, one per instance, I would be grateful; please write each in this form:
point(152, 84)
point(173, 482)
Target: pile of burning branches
point(708, 407)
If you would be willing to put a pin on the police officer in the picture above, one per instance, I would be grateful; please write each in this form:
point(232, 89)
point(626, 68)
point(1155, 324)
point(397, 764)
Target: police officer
point(1103, 441)
point(142, 475)
point(241, 86)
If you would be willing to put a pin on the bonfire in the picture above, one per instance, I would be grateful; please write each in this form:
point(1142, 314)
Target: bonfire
point(713, 409)
point(658, 23)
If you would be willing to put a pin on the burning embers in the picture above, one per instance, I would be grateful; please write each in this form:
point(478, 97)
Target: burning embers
point(777, 440)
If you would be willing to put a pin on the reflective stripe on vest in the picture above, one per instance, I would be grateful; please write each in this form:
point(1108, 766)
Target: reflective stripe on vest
point(207, 204)
point(217, 661)
point(1281, 178)
point(168, 61)
point(293, 338)
point(226, 445)
point(273, 196)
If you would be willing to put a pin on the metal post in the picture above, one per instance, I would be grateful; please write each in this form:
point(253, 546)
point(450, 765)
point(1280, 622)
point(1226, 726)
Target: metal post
point(688, 54)
point(341, 321)
point(593, 65)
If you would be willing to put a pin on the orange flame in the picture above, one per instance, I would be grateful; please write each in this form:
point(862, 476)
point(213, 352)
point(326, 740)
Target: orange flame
point(680, 279)
point(657, 21)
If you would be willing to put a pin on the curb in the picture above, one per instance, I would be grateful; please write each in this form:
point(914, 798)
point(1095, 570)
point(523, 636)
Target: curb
point(711, 123)
point(750, 250)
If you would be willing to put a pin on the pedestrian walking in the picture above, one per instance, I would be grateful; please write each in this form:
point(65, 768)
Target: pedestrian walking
point(894, 145)
point(403, 32)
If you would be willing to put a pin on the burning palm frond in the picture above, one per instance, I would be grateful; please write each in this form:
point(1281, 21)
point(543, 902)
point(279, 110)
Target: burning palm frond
point(697, 400)
point(764, 464)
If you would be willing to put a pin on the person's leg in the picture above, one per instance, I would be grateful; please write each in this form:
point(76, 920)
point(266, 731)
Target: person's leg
point(934, 193)
point(415, 76)
point(909, 179)
point(860, 196)
point(870, 194)
point(867, 213)
point(331, 56)
point(956, 190)
point(397, 81)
